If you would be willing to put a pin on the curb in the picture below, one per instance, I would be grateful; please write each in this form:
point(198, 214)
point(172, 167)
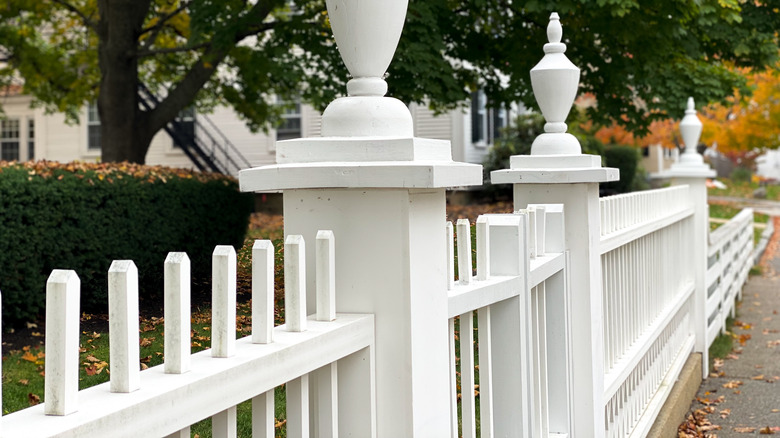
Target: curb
point(679, 401)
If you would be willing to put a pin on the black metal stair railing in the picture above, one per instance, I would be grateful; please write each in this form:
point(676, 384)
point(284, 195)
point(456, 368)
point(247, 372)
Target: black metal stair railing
point(206, 146)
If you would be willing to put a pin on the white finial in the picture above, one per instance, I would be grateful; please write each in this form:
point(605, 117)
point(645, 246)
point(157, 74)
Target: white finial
point(367, 34)
point(554, 29)
point(555, 81)
point(690, 129)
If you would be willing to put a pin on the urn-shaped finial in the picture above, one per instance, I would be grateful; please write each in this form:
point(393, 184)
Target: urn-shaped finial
point(367, 34)
point(555, 81)
point(690, 129)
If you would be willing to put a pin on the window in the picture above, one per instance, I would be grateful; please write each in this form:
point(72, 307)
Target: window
point(9, 139)
point(185, 123)
point(291, 124)
point(486, 123)
point(30, 139)
point(93, 128)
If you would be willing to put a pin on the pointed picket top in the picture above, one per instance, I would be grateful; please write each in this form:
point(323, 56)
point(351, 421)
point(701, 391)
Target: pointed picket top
point(555, 81)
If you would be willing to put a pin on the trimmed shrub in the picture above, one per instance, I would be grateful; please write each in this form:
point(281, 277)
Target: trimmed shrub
point(625, 158)
point(82, 216)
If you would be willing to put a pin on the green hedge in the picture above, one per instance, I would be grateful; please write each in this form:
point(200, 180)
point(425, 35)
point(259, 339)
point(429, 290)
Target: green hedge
point(81, 217)
point(625, 158)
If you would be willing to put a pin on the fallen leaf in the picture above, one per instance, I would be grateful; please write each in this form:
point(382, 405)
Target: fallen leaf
point(24, 382)
point(745, 429)
point(758, 377)
point(766, 431)
point(732, 384)
point(145, 342)
point(29, 356)
point(144, 366)
point(725, 413)
point(33, 399)
point(32, 325)
point(732, 356)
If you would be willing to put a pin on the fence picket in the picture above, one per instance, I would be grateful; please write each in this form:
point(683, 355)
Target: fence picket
point(326, 276)
point(177, 313)
point(124, 349)
point(262, 292)
point(223, 424)
point(450, 249)
point(223, 301)
point(298, 407)
point(327, 401)
point(485, 373)
point(295, 283)
point(263, 420)
point(63, 290)
point(483, 248)
point(464, 251)
point(467, 401)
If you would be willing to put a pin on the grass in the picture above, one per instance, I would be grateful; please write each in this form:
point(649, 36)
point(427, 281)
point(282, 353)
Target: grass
point(744, 189)
point(723, 344)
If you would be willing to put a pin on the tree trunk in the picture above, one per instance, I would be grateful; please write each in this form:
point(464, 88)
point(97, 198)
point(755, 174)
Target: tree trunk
point(123, 127)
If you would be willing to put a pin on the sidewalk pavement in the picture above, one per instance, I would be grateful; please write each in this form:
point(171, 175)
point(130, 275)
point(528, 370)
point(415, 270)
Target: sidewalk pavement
point(741, 398)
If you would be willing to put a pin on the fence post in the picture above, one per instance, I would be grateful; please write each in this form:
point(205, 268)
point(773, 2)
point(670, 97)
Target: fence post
point(382, 193)
point(558, 172)
point(691, 170)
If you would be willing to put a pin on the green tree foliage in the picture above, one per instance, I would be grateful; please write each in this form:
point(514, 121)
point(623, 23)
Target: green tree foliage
point(640, 61)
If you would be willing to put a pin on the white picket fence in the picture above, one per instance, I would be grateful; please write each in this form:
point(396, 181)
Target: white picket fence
point(518, 303)
point(165, 400)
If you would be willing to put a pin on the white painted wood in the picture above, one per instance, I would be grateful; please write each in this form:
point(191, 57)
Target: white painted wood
point(555, 81)
point(582, 235)
point(326, 276)
point(389, 244)
point(298, 407)
point(327, 415)
point(485, 373)
point(467, 400)
point(263, 292)
point(123, 326)
point(453, 380)
point(559, 361)
point(223, 425)
point(483, 248)
point(177, 313)
point(62, 345)
point(464, 252)
point(263, 419)
point(295, 283)
point(223, 301)
point(224, 383)
point(450, 246)
point(357, 413)
point(184, 433)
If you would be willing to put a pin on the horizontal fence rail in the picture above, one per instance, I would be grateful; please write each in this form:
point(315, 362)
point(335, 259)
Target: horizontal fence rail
point(729, 259)
point(517, 304)
point(165, 400)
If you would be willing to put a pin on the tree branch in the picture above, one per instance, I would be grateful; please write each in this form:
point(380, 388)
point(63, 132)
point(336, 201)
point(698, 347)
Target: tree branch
point(203, 69)
point(87, 20)
point(158, 27)
point(145, 53)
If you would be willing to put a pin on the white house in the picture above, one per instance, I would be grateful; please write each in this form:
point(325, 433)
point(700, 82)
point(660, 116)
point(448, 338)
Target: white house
point(30, 134)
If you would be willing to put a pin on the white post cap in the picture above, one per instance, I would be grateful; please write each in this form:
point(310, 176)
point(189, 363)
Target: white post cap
point(555, 81)
point(367, 34)
point(690, 129)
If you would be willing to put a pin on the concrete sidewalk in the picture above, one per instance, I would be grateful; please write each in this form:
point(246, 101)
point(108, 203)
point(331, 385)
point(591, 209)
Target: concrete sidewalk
point(742, 395)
